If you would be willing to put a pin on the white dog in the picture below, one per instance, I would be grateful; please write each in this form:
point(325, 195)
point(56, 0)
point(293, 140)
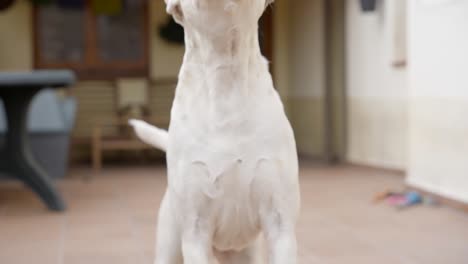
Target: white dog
point(231, 154)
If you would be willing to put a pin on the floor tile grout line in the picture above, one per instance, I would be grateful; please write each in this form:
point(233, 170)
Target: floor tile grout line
point(405, 260)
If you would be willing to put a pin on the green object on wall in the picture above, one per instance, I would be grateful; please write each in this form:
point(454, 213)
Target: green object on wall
point(107, 7)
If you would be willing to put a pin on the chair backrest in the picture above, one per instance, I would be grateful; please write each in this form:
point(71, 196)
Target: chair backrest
point(131, 91)
point(132, 99)
point(46, 114)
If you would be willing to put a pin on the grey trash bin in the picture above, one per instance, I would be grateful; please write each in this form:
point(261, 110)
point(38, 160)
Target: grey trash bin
point(50, 122)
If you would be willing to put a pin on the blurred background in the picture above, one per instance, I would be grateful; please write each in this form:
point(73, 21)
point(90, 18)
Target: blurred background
point(376, 91)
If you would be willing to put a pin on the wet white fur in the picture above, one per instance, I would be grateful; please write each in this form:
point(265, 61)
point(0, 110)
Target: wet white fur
point(231, 155)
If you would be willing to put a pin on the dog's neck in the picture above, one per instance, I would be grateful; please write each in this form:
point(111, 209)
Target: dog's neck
point(223, 62)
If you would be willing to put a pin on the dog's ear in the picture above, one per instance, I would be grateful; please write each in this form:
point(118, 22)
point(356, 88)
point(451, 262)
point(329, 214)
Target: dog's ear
point(173, 8)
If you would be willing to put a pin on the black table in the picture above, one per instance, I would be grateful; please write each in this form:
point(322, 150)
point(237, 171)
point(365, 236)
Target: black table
point(17, 90)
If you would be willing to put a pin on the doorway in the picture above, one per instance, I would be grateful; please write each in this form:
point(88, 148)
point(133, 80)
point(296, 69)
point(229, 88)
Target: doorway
point(316, 76)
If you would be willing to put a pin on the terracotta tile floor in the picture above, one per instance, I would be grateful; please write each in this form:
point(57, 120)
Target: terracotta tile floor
point(111, 219)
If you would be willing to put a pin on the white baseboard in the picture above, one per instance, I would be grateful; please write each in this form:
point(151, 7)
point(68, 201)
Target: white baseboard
point(436, 189)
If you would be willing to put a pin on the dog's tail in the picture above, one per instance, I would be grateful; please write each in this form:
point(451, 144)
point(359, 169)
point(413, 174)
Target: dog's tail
point(149, 134)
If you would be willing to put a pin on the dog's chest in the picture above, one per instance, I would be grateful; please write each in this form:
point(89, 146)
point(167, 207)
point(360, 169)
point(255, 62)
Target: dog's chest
point(235, 211)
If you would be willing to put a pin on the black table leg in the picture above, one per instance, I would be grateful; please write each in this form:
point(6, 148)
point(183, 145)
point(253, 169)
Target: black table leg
point(21, 163)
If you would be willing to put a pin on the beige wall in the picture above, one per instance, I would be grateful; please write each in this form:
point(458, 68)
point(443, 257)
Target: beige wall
point(377, 91)
point(16, 48)
point(438, 83)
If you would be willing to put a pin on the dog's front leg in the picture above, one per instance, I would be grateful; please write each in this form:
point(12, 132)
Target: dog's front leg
point(168, 244)
point(196, 244)
point(280, 200)
point(281, 239)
